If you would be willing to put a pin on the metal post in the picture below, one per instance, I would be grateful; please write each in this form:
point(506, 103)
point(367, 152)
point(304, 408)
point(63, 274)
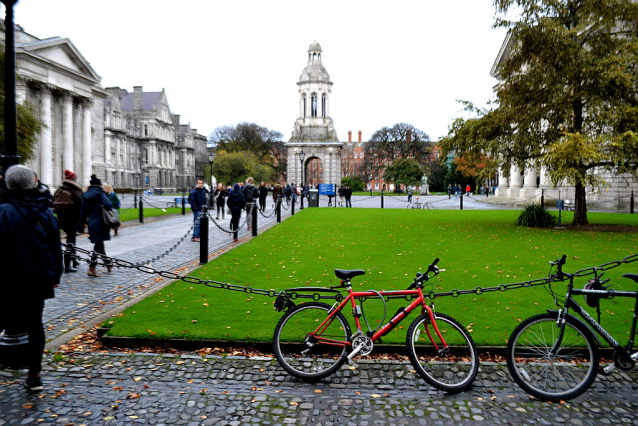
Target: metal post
point(631, 203)
point(542, 199)
point(254, 218)
point(302, 195)
point(203, 237)
point(381, 198)
point(292, 208)
point(184, 203)
point(10, 156)
point(278, 208)
point(461, 201)
point(141, 209)
point(487, 191)
point(135, 200)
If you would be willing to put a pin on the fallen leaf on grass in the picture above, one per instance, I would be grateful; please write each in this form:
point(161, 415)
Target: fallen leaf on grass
point(318, 391)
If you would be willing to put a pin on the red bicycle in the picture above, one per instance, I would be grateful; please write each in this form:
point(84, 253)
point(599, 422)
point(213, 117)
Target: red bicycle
point(313, 340)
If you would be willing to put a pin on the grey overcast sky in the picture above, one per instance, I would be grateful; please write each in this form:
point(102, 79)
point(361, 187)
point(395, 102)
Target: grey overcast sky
point(224, 62)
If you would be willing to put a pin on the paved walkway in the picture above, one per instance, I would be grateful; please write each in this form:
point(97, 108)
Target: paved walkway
point(116, 388)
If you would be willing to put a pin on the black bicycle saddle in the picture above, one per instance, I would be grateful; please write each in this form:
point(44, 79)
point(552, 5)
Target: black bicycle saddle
point(632, 277)
point(346, 274)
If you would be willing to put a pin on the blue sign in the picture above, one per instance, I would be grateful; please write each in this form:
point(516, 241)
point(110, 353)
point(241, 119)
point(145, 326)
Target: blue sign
point(327, 188)
point(560, 205)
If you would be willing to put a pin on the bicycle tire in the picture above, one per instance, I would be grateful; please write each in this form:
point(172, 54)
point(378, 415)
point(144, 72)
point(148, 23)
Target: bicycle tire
point(581, 364)
point(289, 339)
point(451, 372)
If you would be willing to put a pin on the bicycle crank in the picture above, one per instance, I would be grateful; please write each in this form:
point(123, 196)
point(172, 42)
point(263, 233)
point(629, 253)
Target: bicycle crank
point(622, 364)
point(362, 345)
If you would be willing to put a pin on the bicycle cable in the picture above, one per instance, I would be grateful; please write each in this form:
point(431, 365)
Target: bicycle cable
point(385, 311)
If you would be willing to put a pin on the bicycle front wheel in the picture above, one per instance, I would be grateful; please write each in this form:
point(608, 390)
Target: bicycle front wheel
point(547, 376)
point(306, 350)
point(451, 369)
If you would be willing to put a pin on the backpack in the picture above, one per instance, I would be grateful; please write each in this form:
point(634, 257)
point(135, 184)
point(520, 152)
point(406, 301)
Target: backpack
point(62, 201)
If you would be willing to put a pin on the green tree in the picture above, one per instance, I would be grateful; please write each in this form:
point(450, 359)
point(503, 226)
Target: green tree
point(406, 171)
point(436, 176)
point(355, 182)
point(232, 167)
point(265, 144)
point(568, 96)
point(29, 126)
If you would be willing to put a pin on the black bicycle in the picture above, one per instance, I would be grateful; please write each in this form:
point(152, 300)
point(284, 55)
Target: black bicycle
point(554, 356)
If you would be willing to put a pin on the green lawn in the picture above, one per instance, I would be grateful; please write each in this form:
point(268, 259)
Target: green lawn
point(477, 248)
point(134, 214)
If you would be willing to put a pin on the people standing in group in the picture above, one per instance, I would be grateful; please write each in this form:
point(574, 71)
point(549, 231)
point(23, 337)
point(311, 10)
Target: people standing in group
point(93, 200)
point(115, 201)
point(341, 192)
point(220, 199)
point(30, 261)
point(409, 192)
point(263, 194)
point(236, 203)
point(277, 194)
point(251, 195)
point(287, 193)
point(457, 190)
point(67, 205)
point(347, 193)
point(197, 200)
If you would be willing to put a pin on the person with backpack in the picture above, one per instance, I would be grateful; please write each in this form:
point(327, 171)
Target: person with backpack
point(236, 203)
point(251, 195)
point(347, 193)
point(277, 194)
point(409, 192)
point(67, 205)
point(197, 200)
point(93, 201)
point(115, 201)
point(220, 197)
point(263, 194)
point(287, 193)
point(31, 265)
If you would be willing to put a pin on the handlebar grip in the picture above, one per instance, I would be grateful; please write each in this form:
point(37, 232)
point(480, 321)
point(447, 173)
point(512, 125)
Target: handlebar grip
point(433, 264)
point(562, 260)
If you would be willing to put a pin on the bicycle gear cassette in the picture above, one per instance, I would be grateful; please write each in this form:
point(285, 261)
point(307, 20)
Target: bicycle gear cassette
point(623, 363)
point(364, 342)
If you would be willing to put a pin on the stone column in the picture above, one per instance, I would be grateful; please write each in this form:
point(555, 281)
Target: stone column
point(503, 184)
point(515, 183)
point(87, 165)
point(67, 127)
point(77, 138)
point(529, 185)
point(46, 146)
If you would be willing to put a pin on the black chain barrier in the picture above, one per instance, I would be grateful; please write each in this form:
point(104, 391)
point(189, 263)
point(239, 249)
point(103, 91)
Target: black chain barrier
point(168, 203)
point(272, 212)
point(174, 247)
point(234, 230)
point(293, 294)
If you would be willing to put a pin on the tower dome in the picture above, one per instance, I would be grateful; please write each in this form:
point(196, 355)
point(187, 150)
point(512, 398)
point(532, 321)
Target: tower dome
point(314, 71)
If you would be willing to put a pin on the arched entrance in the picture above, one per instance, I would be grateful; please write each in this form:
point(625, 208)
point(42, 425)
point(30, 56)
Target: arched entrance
point(314, 171)
point(326, 154)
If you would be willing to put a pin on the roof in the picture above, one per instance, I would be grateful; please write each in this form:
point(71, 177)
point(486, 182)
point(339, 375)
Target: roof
point(314, 72)
point(150, 99)
point(314, 47)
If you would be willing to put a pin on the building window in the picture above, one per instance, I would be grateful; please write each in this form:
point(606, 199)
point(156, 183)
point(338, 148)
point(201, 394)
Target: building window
point(313, 106)
point(323, 105)
point(376, 185)
point(304, 106)
point(361, 154)
point(145, 130)
point(145, 156)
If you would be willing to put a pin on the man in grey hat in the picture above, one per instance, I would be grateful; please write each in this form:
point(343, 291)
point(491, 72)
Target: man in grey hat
point(31, 265)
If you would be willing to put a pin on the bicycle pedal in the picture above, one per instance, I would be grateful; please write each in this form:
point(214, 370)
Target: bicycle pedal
point(606, 371)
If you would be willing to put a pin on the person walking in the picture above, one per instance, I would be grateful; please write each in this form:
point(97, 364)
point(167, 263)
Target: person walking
point(347, 193)
point(92, 202)
point(287, 193)
point(341, 192)
point(263, 194)
point(115, 201)
point(197, 200)
point(67, 205)
point(31, 264)
point(220, 199)
point(293, 192)
point(251, 195)
point(277, 194)
point(449, 190)
point(409, 192)
point(236, 203)
point(468, 189)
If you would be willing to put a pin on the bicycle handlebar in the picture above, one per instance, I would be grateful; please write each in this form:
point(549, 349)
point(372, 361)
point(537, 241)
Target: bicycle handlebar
point(420, 278)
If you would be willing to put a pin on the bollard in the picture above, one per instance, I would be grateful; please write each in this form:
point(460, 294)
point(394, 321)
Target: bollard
point(135, 200)
point(278, 208)
point(292, 208)
point(461, 201)
point(141, 209)
point(302, 195)
point(631, 203)
point(487, 192)
point(183, 203)
point(203, 237)
point(254, 218)
point(543, 199)
point(382, 198)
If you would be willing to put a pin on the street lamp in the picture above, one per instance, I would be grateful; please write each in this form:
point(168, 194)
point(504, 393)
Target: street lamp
point(302, 155)
point(211, 158)
point(10, 156)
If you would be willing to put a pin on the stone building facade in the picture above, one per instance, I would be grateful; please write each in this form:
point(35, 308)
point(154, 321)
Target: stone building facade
point(127, 139)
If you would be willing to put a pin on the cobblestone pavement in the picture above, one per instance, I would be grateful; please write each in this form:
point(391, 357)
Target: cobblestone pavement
point(116, 388)
point(81, 298)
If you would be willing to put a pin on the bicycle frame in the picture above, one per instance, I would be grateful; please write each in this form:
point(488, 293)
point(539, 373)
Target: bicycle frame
point(394, 321)
point(571, 303)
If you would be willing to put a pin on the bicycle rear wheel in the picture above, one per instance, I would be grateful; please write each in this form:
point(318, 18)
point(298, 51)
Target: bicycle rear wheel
point(300, 352)
point(452, 369)
point(562, 376)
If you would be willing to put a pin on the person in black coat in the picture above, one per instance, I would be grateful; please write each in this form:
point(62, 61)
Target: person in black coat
point(69, 214)
point(347, 193)
point(263, 194)
point(30, 261)
point(220, 198)
point(251, 195)
point(197, 200)
point(92, 201)
point(236, 203)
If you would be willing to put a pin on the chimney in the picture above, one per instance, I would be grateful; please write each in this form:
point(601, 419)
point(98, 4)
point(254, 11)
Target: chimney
point(359, 135)
point(349, 136)
point(409, 135)
point(138, 98)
